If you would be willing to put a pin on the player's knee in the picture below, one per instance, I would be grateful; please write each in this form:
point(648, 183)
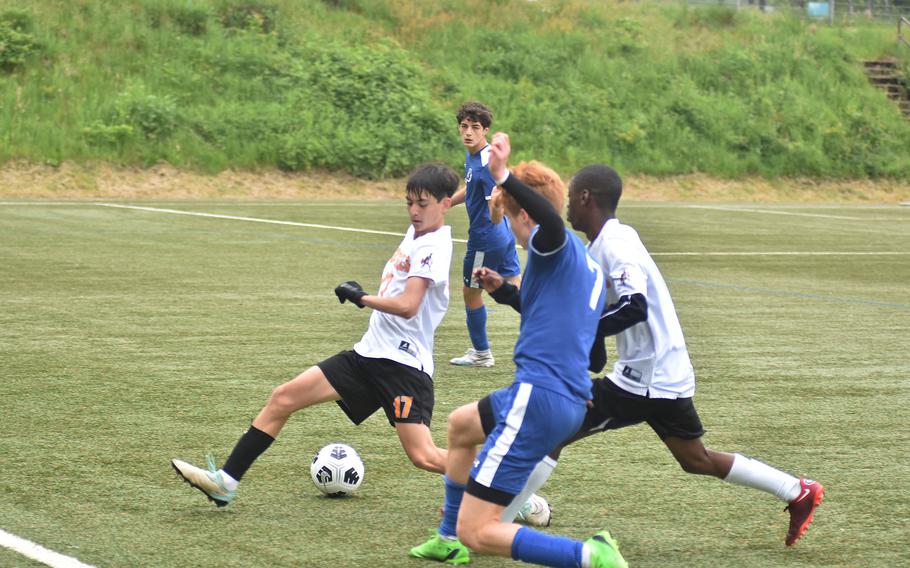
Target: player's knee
point(472, 535)
point(459, 427)
point(698, 464)
point(281, 401)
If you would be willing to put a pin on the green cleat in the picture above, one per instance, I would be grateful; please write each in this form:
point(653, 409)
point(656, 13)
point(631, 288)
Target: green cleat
point(605, 551)
point(448, 551)
point(209, 482)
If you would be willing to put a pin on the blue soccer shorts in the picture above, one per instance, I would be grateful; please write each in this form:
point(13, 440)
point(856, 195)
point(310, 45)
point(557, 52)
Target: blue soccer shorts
point(503, 260)
point(530, 422)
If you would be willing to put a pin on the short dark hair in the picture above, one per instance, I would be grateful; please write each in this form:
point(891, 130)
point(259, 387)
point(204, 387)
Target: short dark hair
point(435, 178)
point(476, 111)
point(602, 182)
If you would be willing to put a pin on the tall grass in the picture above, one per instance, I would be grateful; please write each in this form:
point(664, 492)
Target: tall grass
point(369, 87)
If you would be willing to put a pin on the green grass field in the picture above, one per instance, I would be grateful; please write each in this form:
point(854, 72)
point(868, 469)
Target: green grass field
point(129, 337)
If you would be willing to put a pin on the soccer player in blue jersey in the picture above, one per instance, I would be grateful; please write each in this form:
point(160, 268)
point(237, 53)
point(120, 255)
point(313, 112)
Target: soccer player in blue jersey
point(490, 243)
point(653, 380)
point(561, 300)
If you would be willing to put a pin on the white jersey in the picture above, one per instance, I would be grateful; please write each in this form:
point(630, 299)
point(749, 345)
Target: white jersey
point(652, 358)
point(409, 341)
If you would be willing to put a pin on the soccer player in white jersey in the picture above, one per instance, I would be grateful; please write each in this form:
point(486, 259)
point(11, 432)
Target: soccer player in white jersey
point(561, 299)
point(652, 380)
point(391, 367)
point(490, 241)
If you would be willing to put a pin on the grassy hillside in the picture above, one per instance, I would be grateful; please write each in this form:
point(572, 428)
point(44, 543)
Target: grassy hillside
point(369, 87)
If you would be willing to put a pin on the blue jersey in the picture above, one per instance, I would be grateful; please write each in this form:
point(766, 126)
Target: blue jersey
point(482, 232)
point(562, 296)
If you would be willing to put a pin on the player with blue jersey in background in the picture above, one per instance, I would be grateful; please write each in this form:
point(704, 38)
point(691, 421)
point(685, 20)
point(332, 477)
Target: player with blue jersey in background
point(561, 301)
point(490, 243)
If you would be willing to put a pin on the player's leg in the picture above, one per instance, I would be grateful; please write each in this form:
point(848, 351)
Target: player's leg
point(407, 398)
point(478, 355)
point(306, 389)
point(418, 444)
point(480, 527)
point(680, 428)
point(606, 412)
point(693, 457)
point(525, 432)
point(220, 485)
point(464, 434)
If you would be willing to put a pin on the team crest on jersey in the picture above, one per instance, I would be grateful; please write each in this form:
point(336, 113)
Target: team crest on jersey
point(401, 261)
point(426, 261)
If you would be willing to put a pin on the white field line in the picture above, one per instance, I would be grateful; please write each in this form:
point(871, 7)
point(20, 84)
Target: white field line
point(389, 233)
point(774, 212)
point(257, 220)
point(38, 553)
point(355, 230)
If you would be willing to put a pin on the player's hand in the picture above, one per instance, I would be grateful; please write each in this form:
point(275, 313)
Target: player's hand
point(499, 155)
point(350, 291)
point(488, 279)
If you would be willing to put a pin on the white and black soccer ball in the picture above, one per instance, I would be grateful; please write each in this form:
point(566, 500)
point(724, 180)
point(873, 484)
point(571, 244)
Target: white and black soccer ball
point(337, 470)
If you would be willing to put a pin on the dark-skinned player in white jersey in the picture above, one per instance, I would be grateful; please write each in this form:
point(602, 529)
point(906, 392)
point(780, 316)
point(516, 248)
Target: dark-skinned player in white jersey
point(652, 380)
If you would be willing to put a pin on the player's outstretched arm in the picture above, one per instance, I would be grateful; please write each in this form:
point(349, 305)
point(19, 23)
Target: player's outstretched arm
point(552, 232)
point(406, 304)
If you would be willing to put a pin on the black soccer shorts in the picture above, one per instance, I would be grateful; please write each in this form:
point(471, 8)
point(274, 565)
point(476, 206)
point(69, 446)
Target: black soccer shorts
point(616, 408)
point(366, 384)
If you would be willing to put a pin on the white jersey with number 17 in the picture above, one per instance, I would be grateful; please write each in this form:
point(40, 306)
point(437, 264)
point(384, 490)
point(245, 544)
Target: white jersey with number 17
point(409, 341)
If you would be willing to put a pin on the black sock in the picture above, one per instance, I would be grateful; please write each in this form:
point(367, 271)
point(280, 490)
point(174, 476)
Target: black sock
point(249, 447)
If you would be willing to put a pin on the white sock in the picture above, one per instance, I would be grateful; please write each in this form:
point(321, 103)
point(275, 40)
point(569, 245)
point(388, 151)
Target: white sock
point(585, 556)
point(230, 483)
point(757, 475)
point(538, 477)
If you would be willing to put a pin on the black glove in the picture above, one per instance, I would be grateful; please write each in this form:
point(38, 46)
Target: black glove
point(350, 291)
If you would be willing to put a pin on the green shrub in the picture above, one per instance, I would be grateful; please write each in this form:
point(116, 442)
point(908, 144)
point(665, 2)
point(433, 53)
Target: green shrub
point(250, 17)
point(190, 18)
point(102, 134)
point(18, 20)
point(17, 42)
point(152, 116)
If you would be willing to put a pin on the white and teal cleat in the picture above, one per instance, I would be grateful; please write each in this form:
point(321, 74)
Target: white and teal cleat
point(209, 482)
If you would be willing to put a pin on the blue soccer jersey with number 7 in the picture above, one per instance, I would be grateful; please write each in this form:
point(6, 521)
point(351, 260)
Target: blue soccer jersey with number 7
point(562, 296)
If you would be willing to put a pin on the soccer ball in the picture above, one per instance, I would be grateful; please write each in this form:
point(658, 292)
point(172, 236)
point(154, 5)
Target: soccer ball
point(337, 470)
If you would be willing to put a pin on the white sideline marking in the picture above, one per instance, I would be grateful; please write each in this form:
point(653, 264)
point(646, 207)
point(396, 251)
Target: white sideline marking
point(37, 552)
point(370, 231)
point(773, 212)
point(256, 220)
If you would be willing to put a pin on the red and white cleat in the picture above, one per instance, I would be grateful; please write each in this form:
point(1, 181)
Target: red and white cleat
point(802, 508)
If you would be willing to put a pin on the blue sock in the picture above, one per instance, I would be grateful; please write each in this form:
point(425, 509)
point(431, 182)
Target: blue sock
point(454, 493)
point(540, 548)
point(477, 327)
